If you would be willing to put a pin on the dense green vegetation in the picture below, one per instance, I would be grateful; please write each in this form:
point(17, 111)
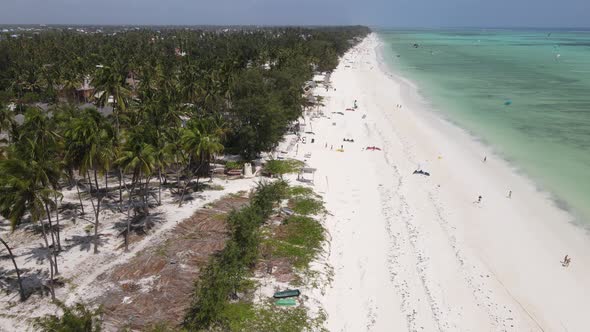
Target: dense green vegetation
point(77, 318)
point(221, 298)
point(225, 274)
point(245, 317)
point(123, 116)
point(299, 238)
point(306, 205)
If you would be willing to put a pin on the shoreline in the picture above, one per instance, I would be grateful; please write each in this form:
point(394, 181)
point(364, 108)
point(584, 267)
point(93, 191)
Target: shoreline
point(578, 215)
point(429, 112)
point(415, 252)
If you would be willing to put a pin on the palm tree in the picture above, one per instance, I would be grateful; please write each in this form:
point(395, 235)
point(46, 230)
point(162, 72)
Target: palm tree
point(201, 140)
point(111, 81)
point(37, 147)
point(21, 192)
point(89, 145)
point(175, 152)
point(138, 158)
point(63, 114)
point(18, 277)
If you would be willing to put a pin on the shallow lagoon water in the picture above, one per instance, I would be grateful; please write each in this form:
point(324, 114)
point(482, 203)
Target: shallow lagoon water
point(525, 93)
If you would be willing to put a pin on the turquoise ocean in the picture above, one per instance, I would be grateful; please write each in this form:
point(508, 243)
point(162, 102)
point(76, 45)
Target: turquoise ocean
point(526, 93)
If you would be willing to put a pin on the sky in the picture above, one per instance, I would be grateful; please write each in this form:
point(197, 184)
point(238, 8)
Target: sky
point(384, 13)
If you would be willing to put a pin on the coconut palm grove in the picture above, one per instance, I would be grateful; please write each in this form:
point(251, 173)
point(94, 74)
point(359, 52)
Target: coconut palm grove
point(123, 116)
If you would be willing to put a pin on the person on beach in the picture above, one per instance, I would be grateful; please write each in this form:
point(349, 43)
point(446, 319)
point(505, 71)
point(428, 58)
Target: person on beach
point(566, 261)
point(510, 194)
point(485, 159)
point(479, 199)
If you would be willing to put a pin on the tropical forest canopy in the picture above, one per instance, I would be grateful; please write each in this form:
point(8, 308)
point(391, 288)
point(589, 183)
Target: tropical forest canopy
point(250, 79)
point(136, 107)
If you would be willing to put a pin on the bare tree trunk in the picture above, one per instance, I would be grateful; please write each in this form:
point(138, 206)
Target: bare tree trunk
point(96, 219)
point(96, 213)
point(51, 287)
point(177, 176)
point(20, 282)
point(160, 186)
point(57, 224)
point(147, 193)
point(52, 237)
point(96, 181)
point(128, 214)
point(90, 191)
point(143, 191)
point(121, 181)
point(188, 181)
point(80, 198)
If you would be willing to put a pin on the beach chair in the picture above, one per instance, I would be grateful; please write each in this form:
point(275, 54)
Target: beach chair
point(287, 293)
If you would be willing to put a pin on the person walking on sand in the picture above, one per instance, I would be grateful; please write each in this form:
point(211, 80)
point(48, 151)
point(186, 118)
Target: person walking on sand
point(510, 194)
point(479, 199)
point(485, 159)
point(566, 261)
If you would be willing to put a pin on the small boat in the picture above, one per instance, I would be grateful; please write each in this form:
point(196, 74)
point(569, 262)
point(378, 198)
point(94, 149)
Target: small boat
point(287, 293)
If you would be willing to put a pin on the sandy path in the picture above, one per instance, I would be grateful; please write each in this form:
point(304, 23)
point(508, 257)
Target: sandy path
point(415, 253)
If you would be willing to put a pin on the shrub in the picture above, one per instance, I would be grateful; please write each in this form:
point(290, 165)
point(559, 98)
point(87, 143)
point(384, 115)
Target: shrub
point(77, 318)
point(300, 239)
point(306, 205)
point(281, 167)
point(268, 194)
point(234, 165)
point(301, 191)
point(269, 318)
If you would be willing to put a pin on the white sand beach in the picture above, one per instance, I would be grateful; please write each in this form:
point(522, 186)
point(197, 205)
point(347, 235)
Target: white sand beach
point(415, 253)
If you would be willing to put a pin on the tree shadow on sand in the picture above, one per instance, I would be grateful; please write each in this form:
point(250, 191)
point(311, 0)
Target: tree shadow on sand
point(37, 254)
point(34, 283)
point(84, 242)
point(140, 225)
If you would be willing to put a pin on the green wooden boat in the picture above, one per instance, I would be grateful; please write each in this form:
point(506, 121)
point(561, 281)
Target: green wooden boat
point(286, 302)
point(287, 293)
